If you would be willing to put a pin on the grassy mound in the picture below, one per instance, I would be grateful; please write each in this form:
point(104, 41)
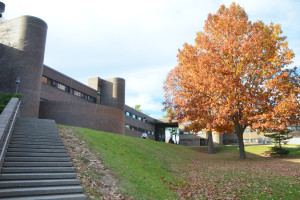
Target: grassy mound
point(146, 168)
point(154, 170)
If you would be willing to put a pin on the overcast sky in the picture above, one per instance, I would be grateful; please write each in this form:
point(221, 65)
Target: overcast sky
point(137, 40)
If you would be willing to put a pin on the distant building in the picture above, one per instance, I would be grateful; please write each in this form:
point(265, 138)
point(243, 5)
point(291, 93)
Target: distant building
point(250, 137)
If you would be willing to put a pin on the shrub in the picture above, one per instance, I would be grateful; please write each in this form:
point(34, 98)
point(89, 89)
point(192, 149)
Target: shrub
point(5, 98)
point(278, 151)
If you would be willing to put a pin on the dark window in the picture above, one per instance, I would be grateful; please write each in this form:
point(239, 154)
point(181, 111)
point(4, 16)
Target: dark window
point(53, 83)
point(92, 99)
point(84, 96)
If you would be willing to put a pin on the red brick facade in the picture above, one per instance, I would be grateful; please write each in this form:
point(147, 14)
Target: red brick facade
point(84, 114)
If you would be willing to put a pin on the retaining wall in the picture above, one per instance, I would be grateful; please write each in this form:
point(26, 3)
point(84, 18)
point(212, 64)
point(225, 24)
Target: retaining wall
point(85, 114)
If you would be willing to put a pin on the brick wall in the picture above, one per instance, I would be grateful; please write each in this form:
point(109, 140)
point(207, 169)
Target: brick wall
point(23, 42)
point(85, 114)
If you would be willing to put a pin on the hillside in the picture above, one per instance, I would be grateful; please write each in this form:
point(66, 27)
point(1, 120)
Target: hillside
point(145, 169)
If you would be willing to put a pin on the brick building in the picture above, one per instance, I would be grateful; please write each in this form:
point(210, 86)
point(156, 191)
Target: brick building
point(49, 94)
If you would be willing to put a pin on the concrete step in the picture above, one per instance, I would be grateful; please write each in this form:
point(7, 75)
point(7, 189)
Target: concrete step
point(34, 154)
point(51, 197)
point(38, 170)
point(33, 146)
point(37, 164)
point(57, 143)
point(36, 150)
point(27, 134)
point(37, 159)
point(15, 192)
point(35, 176)
point(36, 132)
point(38, 183)
point(36, 139)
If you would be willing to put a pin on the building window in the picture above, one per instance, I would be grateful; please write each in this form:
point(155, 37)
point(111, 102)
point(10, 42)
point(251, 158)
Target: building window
point(127, 126)
point(186, 133)
point(92, 99)
point(44, 79)
point(127, 113)
point(68, 89)
point(63, 87)
point(291, 128)
point(77, 93)
point(84, 96)
point(54, 83)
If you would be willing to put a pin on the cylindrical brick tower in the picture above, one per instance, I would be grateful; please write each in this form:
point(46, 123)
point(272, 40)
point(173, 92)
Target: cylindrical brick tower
point(113, 92)
point(22, 47)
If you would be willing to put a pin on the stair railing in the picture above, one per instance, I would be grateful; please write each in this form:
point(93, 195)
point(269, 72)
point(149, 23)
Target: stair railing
point(8, 135)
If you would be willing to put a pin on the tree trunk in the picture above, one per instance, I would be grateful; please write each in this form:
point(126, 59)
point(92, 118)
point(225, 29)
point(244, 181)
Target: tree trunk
point(239, 130)
point(210, 143)
point(241, 144)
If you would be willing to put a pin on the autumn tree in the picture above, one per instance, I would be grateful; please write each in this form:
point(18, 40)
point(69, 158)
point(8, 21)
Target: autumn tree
point(231, 78)
point(138, 108)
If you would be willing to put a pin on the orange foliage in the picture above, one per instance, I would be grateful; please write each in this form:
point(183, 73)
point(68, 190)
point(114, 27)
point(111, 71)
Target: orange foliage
point(233, 76)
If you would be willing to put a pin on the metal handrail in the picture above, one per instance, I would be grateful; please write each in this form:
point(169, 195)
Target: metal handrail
point(5, 145)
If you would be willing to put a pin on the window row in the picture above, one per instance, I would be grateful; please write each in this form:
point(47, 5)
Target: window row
point(65, 88)
point(134, 116)
point(138, 129)
point(190, 140)
point(293, 128)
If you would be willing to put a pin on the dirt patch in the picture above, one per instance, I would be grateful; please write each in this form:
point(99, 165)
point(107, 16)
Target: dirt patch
point(97, 181)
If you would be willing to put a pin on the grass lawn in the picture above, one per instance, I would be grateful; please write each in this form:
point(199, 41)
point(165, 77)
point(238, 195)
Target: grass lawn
point(155, 170)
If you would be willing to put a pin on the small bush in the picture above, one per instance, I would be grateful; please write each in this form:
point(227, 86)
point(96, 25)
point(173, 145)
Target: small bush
point(278, 151)
point(5, 98)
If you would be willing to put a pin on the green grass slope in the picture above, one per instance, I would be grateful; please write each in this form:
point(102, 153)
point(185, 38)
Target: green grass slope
point(153, 170)
point(145, 167)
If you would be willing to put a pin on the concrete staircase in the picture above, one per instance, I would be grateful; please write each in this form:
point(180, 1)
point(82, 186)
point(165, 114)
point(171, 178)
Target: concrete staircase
point(37, 165)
